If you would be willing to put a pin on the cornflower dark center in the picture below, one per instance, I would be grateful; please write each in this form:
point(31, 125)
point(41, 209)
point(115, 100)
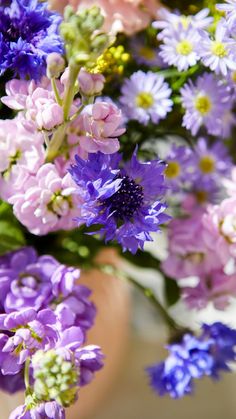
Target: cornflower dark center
point(127, 200)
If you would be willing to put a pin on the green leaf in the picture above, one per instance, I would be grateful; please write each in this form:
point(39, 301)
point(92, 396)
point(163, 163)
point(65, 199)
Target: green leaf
point(11, 235)
point(172, 291)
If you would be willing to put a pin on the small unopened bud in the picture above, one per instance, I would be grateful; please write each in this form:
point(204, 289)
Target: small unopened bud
point(90, 84)
point(55, 65)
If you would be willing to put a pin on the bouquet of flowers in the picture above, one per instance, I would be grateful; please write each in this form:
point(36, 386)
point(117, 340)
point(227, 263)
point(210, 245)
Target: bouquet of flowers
point(117, 123)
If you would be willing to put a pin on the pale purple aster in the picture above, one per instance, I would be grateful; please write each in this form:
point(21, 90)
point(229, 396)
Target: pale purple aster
point(144, 53)
point(204, 102)
point(194, 358)
point(179, 47)
point(179, 167)
point(29, 331)
point(168, 21)
point(230, 10)
point(145, 97)
point(212, 160)
point(205, 190)
point(218, 53)
point(48, 410)
point(125, 201)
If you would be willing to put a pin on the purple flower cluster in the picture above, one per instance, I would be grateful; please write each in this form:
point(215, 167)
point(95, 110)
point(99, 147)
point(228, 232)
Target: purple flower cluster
point(28, 33)
point(194, 358)
point(44, 309)
point(124, 201)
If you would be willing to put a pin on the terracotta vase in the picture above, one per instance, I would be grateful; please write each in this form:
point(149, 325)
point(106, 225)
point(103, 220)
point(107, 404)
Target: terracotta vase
point(110, 331)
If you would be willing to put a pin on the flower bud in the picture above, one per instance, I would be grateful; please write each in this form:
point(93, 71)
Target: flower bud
point(55, 65)
point(90, 84)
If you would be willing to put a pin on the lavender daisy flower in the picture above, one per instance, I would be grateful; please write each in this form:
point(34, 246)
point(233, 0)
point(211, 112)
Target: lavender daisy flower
point(126, 201)
point(169, 21)
point(230, 10)
point(179, 167)
point(194, 358)
point(146, 96)
point(219, 54)
point(204, 102)
point(205, 190)
point(179, 47)
point(28, 33)
point(212, 161)
point(145, 54)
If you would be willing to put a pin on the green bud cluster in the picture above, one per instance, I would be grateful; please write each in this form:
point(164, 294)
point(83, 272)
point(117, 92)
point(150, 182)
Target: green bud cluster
point(55, 378)
point(84, 40)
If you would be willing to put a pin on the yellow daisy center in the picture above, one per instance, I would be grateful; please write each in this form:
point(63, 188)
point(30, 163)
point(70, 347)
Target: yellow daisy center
point(207, 164)
point(203, 104)
point(219, 49)
point(233, 76)
point(147, 53)
point(184, 47)
point(202, 196)
point(144, 100)
point(173, 170)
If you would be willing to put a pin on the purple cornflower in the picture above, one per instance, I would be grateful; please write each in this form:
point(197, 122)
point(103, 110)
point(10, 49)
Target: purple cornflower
point(169, 21)
point(211, 161)
point(230, 10)
point(219, 53)
point(125, 201)
point(28, 33)
point(204, 102)
point(194, 357)
point(179, 47)
point(146, 96)
point(179, 168)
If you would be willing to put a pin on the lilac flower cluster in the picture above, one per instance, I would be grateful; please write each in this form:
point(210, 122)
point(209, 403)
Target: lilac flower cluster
point(44, 311)
point(193, 358)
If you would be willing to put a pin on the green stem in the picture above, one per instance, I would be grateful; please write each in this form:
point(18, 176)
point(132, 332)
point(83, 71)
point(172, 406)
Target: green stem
point(56, 93)
point(26, 374)
point(147, 292)
point(70, 90)
point(56, 143)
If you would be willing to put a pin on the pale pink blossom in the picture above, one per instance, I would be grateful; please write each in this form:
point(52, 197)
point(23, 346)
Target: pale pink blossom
point(230, 184)
point(189, 253)
point(21, 155)
point(127, 16)
point(101, 124)
point(49, 201)
point(220, 228)
point(90, 84)
point(216, 287)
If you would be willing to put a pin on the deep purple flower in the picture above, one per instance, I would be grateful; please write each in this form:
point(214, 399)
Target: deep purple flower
point(194, 358)
point(50, 410)
point(12, 383)
point(204, 102)
point(28, 33)
point(125, 201)
point(22, 334)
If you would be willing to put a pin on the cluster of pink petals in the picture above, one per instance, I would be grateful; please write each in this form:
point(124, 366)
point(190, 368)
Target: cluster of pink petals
point(216, 287)
point(36, 100)
point(90, 84)
point(101, 125)
point(21, 155)
point(127, 16)
point(48, 202)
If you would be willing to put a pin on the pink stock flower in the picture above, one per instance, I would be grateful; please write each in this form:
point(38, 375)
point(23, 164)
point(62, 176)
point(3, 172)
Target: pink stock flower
point(216, 287)
point(101, 128)
point(189, 253)
point(90, 84)
point(230, 184)
point(127, 16)
point(220, 228)
point(21, 155)
point(48, 201)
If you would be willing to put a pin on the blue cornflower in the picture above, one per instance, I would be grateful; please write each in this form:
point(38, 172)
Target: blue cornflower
point(194, 357)
point(28, 33)
point(124, 201)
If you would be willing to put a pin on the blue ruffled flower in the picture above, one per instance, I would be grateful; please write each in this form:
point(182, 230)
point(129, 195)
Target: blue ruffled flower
point(194, 358)
point(124, 201)
point(28, 33)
